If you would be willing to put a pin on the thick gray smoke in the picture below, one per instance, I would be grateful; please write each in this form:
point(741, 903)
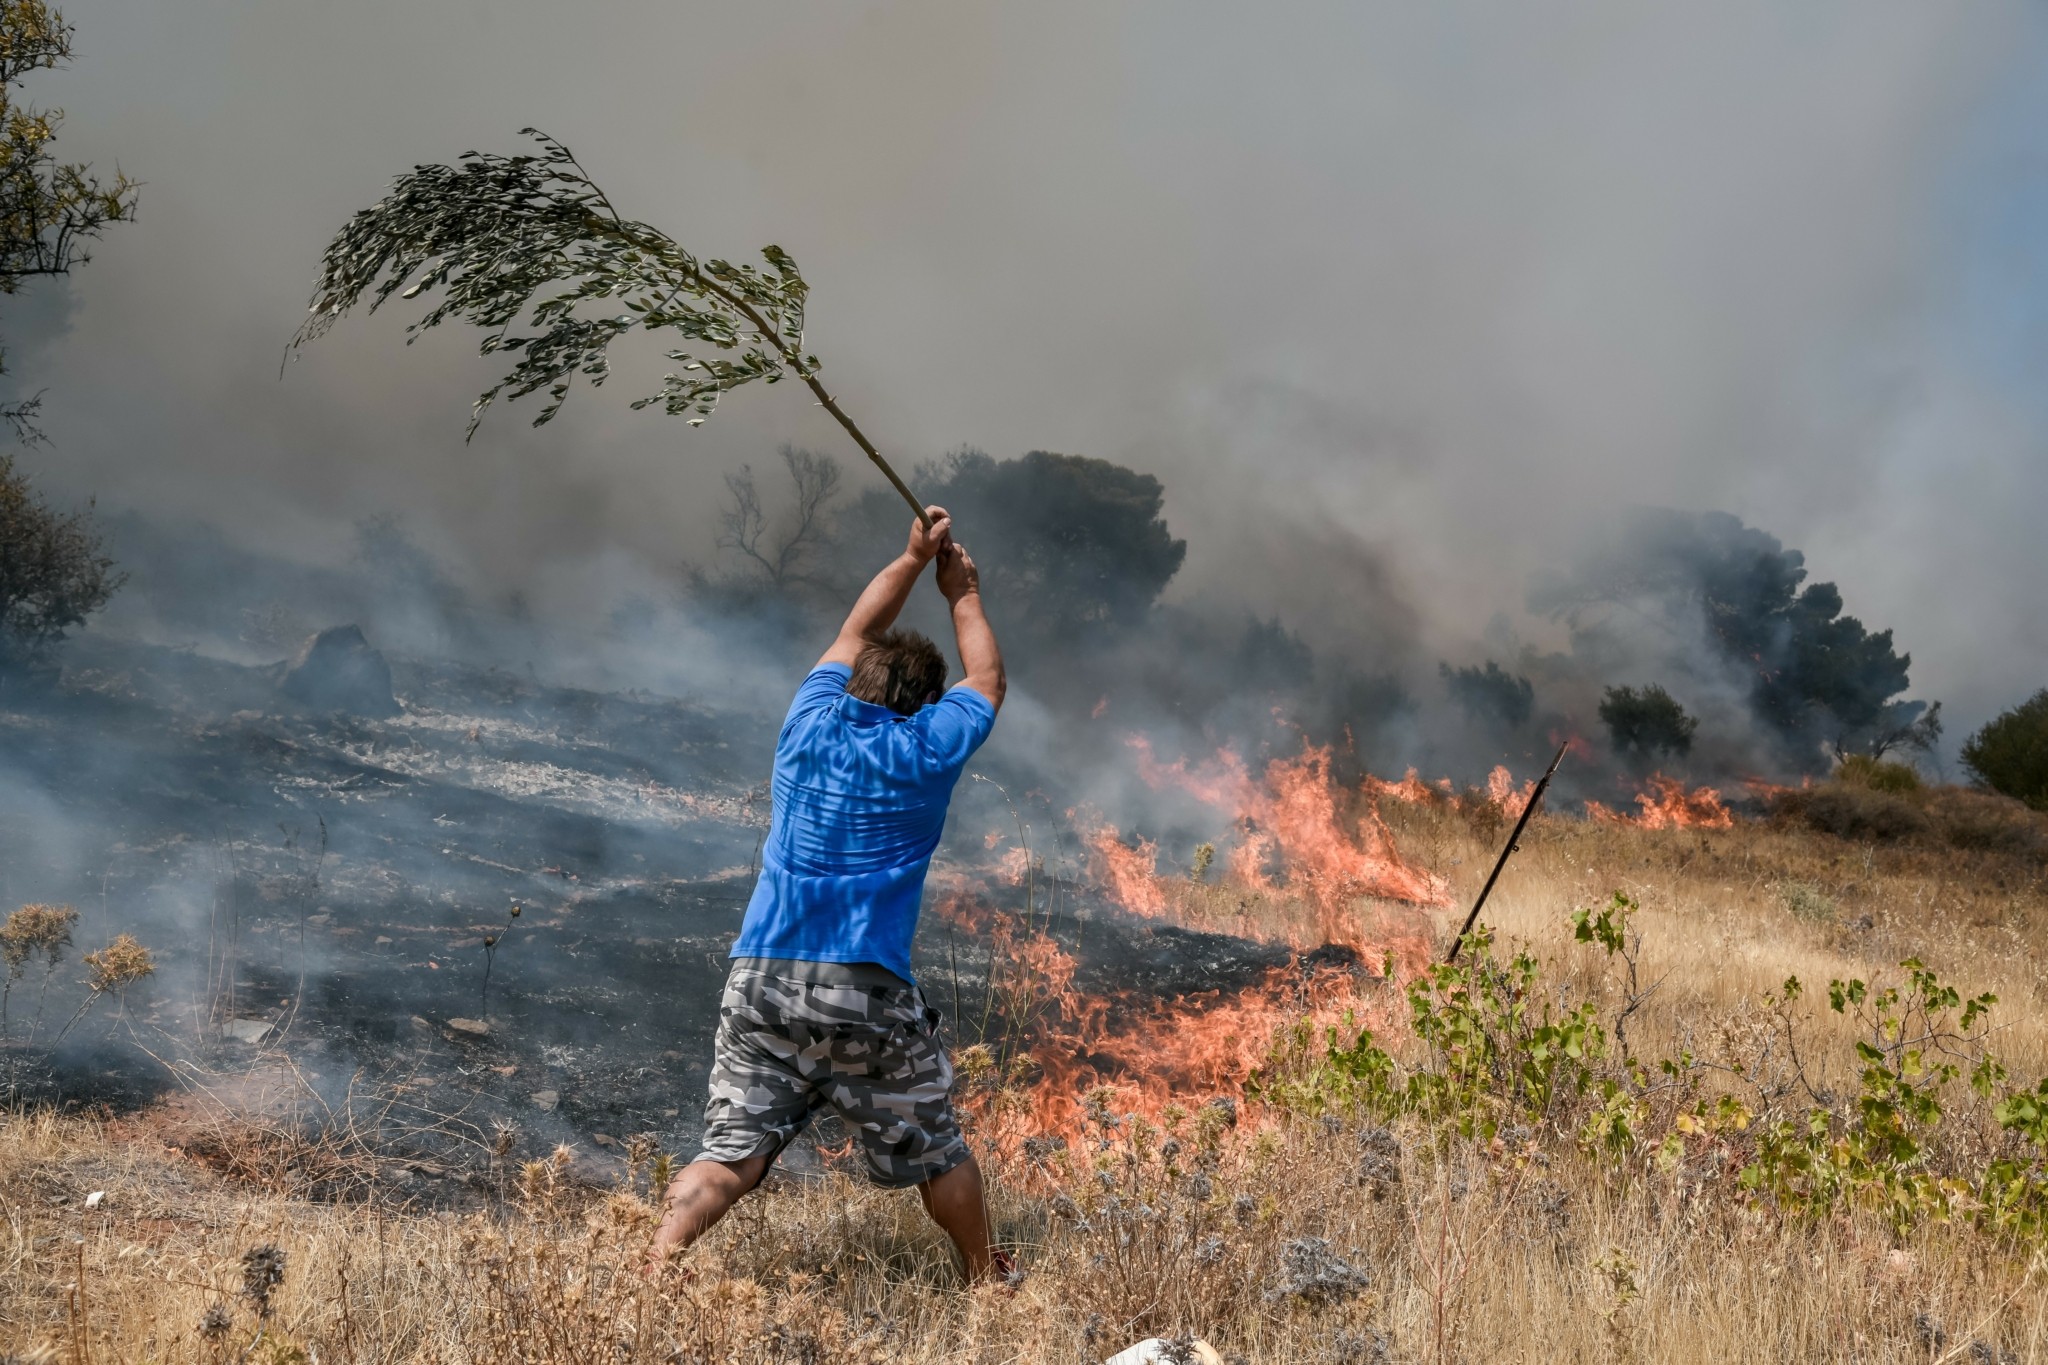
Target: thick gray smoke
point(1408, 297)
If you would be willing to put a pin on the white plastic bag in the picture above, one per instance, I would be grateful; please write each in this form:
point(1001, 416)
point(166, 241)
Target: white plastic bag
point(1154, 1349)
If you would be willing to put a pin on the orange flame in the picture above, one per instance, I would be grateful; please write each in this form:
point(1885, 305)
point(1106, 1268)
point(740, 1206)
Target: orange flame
point(1155, 1052)
point(1410, 788)
point(1316, 852)
point(1132, 873)
point(1014, 865)
point(1575, 744)
point(1501, 791)
point(1302, 816)
point(1763, 789)
point(1299, 835)
point(1668, 805)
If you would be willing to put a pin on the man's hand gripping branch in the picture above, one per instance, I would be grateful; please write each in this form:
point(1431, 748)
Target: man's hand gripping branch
point(879, 604)
point(959, 582)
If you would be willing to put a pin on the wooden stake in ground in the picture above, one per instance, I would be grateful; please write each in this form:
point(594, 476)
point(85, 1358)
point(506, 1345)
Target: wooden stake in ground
point(1528, 809)
point(530, 241)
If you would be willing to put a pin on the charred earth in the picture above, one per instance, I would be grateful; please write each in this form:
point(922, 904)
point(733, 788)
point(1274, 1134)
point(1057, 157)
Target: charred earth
point(505, 903)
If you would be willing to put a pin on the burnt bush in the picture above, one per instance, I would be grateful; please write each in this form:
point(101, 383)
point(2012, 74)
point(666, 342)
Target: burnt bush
point(1490, 695)
point(1849, 811)
point(2010, 754)
point(1971, 821)
point(1979, 822)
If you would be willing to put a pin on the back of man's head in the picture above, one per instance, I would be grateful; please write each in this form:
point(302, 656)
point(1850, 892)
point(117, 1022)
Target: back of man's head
point(901, 670)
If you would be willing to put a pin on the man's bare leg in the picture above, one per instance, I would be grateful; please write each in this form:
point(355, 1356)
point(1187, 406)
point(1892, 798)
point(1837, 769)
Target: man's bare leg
point(956, 1203)
point(698, 1197)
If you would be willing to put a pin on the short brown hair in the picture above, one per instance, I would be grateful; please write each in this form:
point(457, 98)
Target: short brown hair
point(901, 670)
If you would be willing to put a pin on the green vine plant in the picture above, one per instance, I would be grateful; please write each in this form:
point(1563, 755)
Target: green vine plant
point(529, 249)
point(1917, 1038)
point(1500, 1059)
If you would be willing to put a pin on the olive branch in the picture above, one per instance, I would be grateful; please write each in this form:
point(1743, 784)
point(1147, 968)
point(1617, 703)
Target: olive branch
point(530, 240)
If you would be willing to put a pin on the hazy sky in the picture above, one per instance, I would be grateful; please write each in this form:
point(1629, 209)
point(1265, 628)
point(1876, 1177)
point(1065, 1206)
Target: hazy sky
point(1439, 285)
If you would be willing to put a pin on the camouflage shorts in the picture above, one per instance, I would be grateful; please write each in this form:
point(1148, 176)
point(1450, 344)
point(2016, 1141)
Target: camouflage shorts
point(871, 1055)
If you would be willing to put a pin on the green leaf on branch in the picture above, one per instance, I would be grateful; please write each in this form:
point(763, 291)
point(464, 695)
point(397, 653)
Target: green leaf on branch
point(521, 245)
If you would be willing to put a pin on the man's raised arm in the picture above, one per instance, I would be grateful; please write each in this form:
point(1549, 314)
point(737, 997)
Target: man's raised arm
point(979, 653)
point(882, 600)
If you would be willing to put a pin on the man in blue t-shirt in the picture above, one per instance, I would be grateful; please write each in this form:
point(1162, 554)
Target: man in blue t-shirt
point(819, 1010)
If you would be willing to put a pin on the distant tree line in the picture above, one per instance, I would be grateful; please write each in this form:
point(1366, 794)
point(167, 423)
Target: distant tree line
point(1078, 555)
point(1819, 682)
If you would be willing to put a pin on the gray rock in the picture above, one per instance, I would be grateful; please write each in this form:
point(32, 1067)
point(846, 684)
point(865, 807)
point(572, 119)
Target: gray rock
point(250, 1031)
point(337, 670)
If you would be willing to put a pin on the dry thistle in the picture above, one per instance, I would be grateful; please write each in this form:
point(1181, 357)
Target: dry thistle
point(114, 968)
point(974, 1064)
point(537, 1182)
point(262, 1273)
point(119, 965)
point(216, 1323)
point(33, 929)
point(640, 1150)
point(1317, 1275)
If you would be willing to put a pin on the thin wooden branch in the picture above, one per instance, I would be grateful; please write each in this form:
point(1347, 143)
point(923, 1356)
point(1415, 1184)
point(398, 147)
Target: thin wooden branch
point(825, 399)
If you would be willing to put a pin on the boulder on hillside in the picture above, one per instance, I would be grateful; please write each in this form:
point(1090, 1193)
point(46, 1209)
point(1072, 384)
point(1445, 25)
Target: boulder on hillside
point(337, 670)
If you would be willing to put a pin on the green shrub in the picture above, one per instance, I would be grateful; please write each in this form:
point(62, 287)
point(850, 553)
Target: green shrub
point(1878, 774)
point(1501, 1059)
point(1808, 902)
point(53, 573)
point(2010, 754)
point(1648, 723)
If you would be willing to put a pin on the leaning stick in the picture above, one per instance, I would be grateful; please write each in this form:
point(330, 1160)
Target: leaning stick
point(825, 400)
point(1528, 809)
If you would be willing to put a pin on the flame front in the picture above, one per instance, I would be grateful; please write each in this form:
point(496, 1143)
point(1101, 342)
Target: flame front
point(1668, 805)
point(1305, 862)
point(1330, 844)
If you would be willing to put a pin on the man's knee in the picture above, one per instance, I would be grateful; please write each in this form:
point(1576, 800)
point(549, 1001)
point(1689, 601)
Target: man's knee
point(730, 1179)
point(962, 1175)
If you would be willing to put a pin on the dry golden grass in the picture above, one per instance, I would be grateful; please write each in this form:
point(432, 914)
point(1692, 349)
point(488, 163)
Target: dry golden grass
point(1288, 1237)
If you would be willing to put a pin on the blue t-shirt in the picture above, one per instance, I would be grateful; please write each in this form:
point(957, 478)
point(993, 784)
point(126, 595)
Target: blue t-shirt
point(860, 797)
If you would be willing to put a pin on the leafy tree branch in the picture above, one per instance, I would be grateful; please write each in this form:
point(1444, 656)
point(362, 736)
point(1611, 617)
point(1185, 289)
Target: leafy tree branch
point(50, 211)
point(531, 242)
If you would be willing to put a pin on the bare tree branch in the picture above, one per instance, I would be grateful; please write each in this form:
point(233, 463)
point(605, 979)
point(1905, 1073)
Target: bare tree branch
point(814, 482)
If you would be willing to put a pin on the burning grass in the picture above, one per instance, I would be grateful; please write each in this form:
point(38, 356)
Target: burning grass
point(1504, 1169)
